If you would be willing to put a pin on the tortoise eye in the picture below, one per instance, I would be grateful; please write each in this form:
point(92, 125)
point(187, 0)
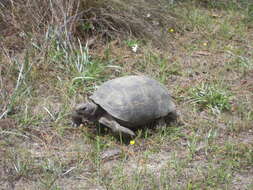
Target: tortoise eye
point(83, 108)
point(80, 107)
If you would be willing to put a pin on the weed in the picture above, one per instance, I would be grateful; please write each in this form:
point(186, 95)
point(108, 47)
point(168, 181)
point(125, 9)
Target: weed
point(249, 17)
point(225, 4)
point(241, 154)
point(211, 96)
point(219, 175)
point(239, 63)
point(133, 44)
point(226, 31)
point(198, 20)
point(192, 144)
point(172, 132)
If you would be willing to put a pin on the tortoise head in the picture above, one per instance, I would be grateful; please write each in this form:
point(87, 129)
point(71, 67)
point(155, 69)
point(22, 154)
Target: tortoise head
point(84, 112)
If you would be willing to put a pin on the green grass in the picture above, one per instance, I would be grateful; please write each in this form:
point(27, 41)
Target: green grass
point(211, 96)
point(206, 65)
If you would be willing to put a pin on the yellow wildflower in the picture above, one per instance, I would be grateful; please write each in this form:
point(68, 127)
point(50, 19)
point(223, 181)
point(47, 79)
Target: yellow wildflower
point(171, 30)
point(132, 142)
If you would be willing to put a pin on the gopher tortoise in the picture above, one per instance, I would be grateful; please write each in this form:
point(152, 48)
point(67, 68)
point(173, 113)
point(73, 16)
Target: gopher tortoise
point(126, 103)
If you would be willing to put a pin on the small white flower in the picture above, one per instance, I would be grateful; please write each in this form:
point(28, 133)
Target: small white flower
point(22, 34)
point(134, 48)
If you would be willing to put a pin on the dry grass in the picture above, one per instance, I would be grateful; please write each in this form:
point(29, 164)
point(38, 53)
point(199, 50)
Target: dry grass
point(91, 21)
point(47, 66)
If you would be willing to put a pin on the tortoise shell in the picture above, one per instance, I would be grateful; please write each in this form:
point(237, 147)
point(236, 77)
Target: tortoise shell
point(135, 100)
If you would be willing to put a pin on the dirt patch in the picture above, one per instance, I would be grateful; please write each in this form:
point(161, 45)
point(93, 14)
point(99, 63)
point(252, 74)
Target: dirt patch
point(7, 124)
point(243, 180)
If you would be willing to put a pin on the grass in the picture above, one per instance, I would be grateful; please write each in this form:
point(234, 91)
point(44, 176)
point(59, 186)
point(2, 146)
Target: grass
point(53, 59)
point(211, 96)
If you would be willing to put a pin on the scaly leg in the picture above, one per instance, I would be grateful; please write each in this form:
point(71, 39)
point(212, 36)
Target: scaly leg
point(108, 121)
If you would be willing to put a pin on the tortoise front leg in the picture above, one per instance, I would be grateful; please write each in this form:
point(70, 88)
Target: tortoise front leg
point(108, 121)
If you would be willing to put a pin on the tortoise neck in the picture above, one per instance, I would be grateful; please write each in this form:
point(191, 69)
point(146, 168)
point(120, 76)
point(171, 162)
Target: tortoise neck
point(96, 114)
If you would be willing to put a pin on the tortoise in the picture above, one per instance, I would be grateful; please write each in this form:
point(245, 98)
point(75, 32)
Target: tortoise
point(127, 103)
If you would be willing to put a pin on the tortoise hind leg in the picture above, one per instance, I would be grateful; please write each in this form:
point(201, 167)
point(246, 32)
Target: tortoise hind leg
point(172, 117)
point(108, 121)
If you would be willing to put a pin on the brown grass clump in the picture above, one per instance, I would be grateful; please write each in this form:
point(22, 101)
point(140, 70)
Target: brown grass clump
point(137, 18)
point(83, 19)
